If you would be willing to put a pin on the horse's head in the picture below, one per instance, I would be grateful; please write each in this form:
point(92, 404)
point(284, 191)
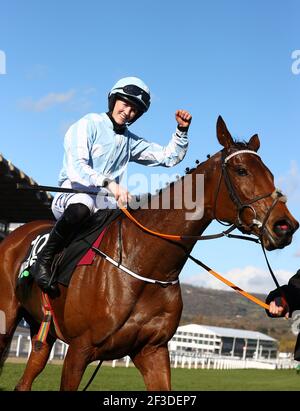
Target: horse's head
point(246, 195)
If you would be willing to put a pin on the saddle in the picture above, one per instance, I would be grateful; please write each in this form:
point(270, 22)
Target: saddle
point(78, 251)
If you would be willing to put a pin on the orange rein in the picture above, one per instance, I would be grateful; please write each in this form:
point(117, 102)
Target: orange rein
point(218, 276)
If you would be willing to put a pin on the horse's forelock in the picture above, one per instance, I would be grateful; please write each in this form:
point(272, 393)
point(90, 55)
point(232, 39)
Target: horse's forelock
point(241, 145)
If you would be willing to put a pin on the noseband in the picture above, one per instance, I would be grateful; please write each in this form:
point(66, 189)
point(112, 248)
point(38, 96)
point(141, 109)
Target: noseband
point(241, 206)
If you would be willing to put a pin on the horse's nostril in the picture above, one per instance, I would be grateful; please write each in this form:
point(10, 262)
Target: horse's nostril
point(282, 227)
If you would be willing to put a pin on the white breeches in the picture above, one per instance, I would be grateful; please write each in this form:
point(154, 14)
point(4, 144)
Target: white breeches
point(94, 202)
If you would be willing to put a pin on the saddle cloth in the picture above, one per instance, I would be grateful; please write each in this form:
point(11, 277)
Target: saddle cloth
point(77, 252)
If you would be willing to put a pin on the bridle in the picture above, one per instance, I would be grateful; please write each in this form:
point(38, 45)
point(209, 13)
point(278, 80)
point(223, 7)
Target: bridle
point(240, 205)
point(276, 195)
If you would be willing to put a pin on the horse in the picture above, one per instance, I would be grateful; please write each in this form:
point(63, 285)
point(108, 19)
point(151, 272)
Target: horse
point(105, 313)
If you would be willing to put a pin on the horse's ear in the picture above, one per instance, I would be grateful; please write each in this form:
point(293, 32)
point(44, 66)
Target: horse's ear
point(223, 134)
point(254, 143)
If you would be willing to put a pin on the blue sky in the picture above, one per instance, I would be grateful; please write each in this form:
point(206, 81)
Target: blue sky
point(232, 58)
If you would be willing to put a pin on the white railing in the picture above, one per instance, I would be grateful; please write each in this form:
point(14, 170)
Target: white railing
point(21, 346)
point(229, 363)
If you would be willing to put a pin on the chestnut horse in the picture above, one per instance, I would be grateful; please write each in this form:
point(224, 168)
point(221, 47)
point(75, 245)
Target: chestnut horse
point(107, 314)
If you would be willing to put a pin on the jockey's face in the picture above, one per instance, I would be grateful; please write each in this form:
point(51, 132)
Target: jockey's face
point(123, 112)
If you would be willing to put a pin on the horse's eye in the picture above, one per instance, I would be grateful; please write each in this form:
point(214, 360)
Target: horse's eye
point(242, 171)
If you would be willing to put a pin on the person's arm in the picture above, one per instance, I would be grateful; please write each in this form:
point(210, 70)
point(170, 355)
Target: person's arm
point(153, 154)
point(78, 143)
point(285, 300)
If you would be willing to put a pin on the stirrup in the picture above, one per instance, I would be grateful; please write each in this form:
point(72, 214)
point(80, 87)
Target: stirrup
point(47, 285)
point(51, 289)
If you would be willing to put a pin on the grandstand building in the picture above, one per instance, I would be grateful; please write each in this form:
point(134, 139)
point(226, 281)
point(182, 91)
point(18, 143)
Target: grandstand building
point(205, 340)
point(20, 206)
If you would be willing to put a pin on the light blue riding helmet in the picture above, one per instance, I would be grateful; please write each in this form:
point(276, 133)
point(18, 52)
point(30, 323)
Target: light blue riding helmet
point(133, 90)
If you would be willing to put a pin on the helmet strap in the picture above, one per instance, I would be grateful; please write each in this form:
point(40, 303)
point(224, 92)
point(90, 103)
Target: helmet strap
point(118, 129)
point(138, 115)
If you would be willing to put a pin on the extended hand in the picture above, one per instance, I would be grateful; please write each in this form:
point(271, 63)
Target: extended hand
point(183, 118)
point(279, 310)
point(120, 193)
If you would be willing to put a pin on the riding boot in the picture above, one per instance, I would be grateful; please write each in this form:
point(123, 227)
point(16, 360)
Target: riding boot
point(60, 235)
point(42, 267)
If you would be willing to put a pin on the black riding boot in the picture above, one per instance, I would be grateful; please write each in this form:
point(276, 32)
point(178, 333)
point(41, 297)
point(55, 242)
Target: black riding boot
point(61, 233)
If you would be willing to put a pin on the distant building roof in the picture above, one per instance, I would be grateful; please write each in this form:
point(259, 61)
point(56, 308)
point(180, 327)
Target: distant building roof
point(21, 206)
point(225, 332)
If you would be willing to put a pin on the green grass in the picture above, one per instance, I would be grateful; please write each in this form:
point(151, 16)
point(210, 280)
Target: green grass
point(129, 379)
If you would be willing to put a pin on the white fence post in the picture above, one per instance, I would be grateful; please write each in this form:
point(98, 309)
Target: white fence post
point(52, 352)
point(29, 346)
point(2, 322)
point(18, 345)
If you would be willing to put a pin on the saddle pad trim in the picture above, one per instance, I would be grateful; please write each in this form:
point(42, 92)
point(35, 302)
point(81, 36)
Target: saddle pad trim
point(89, 256)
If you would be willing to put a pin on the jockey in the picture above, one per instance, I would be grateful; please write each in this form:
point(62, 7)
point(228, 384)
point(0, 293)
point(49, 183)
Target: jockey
point(98, 148)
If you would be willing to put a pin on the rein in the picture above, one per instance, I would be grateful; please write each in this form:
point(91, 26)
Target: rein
point(190, 237)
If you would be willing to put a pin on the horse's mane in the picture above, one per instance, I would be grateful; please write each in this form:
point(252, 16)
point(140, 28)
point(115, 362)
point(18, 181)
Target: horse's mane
point(239, 145)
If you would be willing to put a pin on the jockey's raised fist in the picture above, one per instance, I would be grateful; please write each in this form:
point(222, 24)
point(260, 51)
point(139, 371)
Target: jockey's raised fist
point(183, 118)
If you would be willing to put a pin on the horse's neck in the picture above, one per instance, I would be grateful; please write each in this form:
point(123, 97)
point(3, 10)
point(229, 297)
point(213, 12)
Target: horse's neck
point(191, 202)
